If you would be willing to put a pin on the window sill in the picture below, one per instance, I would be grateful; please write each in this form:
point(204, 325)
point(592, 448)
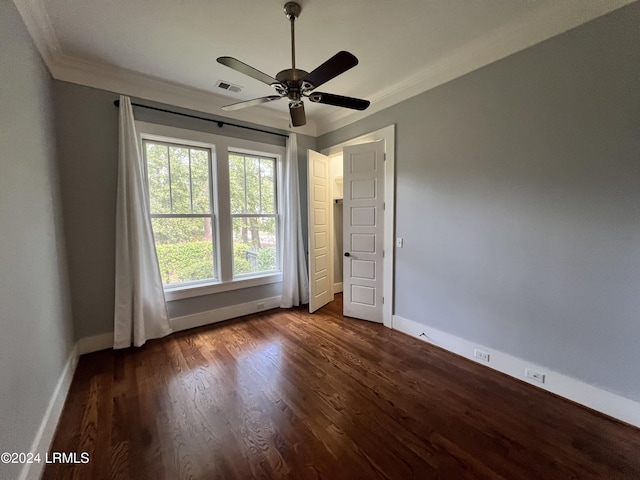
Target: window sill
point(180, 292)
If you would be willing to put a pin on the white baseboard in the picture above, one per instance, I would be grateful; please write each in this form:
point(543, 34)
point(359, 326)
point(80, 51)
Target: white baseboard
point(44, 436)
point(226, 313)
point(576, 390)
point(105, 341)
point(337, 287)
point(96, 343)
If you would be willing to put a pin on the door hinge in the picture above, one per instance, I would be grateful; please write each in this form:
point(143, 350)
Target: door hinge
point(384, 205)
point(382, 253)
point(383, 300)
point(385, 157)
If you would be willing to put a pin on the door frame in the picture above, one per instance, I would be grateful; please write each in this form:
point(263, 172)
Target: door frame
point(388, 135)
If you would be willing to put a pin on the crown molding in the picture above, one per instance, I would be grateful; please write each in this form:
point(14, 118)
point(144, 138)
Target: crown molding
point(534, 28)
point(498, 44)
point(39, 27)
point(118, 80)
point(134, 84)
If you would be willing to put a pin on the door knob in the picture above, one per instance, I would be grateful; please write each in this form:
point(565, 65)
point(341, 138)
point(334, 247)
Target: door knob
point(347, 254)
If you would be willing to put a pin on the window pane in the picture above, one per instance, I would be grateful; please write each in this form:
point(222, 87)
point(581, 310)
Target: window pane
point(254, 245)
point(157, 157)
point(184, 248)
point(252, 182)
point(200, 180)
point(180, 181)
point(236, 183)
point(267, 185)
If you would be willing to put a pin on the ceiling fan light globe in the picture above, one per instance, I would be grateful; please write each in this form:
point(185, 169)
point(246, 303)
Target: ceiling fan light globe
point(296, 112)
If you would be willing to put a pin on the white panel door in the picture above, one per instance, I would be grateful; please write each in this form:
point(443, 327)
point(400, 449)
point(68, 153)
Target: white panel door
point(320, 274)
point(363, 223)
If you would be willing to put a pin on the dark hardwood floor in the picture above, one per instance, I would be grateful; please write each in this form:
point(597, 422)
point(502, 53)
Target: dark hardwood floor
point(285, 394)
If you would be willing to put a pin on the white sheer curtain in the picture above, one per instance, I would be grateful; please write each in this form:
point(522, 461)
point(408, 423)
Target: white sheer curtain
point(140, 307)
point(295, 280)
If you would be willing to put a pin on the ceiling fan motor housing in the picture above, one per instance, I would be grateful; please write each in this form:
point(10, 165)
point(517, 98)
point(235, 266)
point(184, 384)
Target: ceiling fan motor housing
point(291, 76)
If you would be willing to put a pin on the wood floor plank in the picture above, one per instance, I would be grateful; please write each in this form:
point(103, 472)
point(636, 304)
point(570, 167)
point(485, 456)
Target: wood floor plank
point(288, 395)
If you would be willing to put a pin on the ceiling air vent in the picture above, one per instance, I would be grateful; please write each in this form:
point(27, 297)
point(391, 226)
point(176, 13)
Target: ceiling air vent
point(228, 86)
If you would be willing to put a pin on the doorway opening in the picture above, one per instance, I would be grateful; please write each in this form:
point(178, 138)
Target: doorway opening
point(329, 239)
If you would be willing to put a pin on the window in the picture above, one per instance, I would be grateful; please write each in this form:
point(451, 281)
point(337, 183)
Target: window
point(214, 210)
point(252, 182)
point(181, 207)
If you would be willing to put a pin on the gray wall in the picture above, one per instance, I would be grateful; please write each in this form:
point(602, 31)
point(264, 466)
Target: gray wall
point(518, 196)
point(87, 132)
point(304, 143)
point(37, 335)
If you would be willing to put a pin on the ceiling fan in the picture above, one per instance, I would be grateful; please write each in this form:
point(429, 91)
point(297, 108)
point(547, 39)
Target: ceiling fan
point(295, 84)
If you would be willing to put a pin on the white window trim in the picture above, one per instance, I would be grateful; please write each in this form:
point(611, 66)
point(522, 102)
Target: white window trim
point(278, 207)
point(178, 292)
point(220, 147)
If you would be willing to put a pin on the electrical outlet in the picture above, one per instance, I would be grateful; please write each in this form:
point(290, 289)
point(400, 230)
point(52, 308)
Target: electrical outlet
point(533, 375)
point(260, 306)
point(399, 242)
point(481, 355)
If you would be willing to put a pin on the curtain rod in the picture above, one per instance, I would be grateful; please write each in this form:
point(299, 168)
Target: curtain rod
point(219, 122)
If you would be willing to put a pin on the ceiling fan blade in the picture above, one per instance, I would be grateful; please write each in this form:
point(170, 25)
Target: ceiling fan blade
point(339, 63)
point(339, 100)
point(247, 70)
point(298, 118)
point(251, 103)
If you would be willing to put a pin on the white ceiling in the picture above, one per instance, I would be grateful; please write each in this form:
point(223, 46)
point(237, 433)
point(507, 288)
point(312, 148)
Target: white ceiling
point(166, 50)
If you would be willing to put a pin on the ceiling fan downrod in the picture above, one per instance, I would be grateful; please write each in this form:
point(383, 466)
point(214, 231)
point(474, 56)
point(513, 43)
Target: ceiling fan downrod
point(292, 77)
point(292, 11)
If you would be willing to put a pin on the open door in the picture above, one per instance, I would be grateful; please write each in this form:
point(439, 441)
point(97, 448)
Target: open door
point(363, 230)
point(319, 196)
